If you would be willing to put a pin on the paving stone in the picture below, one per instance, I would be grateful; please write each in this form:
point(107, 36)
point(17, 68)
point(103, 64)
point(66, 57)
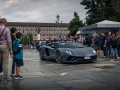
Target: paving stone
point(49, 75)
point(34, 83)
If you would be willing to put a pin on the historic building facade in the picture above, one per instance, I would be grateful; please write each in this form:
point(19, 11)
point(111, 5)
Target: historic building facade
point(116, 4)
point(47, 30)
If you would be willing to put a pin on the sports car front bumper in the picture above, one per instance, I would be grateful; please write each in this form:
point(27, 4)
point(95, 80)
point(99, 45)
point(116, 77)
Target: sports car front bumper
point(80, 59)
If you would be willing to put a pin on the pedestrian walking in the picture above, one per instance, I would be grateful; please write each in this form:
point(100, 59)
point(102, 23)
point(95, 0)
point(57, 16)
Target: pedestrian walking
point(18, 54)
point(13, 33)
point(5, 47)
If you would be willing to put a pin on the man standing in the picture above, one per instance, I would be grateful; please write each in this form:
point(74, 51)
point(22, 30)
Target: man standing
point(5, 47)
point(107, 44)
point(97, 44)
point(102, 42)
point(87, 41)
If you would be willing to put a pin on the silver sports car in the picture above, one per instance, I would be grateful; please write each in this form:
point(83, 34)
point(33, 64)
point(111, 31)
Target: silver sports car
point(67, 52)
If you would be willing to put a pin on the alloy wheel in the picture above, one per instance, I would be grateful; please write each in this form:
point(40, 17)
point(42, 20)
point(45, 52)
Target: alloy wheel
point(58, 57)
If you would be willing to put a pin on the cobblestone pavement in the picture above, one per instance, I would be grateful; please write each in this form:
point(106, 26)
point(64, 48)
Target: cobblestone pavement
point(49, 75)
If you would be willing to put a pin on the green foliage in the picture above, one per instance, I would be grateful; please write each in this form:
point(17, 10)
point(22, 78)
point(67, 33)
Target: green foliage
point(22, 40)
point(27, 39)
point(30, 38)
point(74, 24)
point(99, 10)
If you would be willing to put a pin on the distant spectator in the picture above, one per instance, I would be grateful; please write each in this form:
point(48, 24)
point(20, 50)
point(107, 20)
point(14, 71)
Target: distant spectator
point(75, 38)
point(107, 44)
point(102, 42)
point(87, 41)
point(118, 46)
point(113, 41)
point(80, 39)
point(97, 44)
point(32, 45)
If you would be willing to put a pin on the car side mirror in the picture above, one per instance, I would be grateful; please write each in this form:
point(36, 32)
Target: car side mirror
point(53, 46)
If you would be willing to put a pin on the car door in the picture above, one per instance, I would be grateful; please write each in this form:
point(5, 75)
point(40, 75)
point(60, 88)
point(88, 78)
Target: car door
point(51, 51)
point(54, 46)
point(47, 54)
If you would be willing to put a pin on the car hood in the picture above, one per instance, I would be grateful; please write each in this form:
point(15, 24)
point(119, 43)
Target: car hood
point(87, 51)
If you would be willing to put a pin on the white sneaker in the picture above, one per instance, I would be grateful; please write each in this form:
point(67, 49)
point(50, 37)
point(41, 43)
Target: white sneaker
point(118, 57)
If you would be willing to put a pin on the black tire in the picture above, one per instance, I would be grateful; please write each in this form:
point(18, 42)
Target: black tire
point(58, 57)
point(41, 55)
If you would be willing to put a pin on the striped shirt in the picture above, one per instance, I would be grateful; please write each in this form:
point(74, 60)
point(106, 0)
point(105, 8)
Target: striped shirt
point(6, 37)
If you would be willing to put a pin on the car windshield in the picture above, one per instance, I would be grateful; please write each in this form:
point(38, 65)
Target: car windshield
point(71, 45)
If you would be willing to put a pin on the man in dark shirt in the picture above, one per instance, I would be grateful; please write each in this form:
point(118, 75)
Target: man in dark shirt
point(13, 32)
point(102, 42)
point(107, 44)
point(87, 40)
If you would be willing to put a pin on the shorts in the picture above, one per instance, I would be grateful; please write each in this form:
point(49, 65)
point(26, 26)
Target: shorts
point(19, 62)
point(96, 48)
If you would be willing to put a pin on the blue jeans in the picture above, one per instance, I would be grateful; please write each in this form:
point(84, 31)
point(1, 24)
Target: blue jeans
point(113, 52)
point(13, 66)
point(108, 51)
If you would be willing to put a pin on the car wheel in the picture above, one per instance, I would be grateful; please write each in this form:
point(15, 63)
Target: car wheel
point(41, 55)
point(58, 57)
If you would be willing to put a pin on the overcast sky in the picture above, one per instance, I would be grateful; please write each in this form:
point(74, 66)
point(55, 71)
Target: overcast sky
point(40, 10)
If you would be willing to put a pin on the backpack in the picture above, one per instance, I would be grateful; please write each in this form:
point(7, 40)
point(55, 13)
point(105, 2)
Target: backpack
point(118, 41)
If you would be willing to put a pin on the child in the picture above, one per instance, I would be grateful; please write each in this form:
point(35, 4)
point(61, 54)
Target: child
point(18, 54)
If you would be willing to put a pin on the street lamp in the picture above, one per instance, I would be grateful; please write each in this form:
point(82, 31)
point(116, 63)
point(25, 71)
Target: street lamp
point(58, 24)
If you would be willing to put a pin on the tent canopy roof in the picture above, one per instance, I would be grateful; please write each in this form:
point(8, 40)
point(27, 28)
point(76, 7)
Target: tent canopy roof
point(102, 24)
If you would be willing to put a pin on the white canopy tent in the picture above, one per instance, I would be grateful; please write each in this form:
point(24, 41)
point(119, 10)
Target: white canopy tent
point(106, 24)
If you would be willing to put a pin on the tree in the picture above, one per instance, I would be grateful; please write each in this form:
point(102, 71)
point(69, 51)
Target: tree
point(74, 24)
point(30, 37)
point(25, 40)
point(99, 10)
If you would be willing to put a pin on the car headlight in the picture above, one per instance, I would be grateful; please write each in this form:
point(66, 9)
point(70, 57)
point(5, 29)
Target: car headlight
point(69, 52)
point(94, 51)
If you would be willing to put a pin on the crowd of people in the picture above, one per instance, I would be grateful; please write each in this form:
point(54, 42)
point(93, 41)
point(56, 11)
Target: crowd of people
point(109, 43)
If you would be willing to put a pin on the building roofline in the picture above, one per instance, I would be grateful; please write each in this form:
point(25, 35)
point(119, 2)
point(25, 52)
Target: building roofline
point(36, 24)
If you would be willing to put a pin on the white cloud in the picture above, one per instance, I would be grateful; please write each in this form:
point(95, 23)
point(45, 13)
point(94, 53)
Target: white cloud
point(41, 10)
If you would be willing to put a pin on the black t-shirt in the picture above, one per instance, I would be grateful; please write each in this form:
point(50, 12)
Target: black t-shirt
point(102, 40)
point(13, 38)
point(88, 41)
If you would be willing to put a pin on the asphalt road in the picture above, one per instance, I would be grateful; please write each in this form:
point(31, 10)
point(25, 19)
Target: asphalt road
point(49, 75)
